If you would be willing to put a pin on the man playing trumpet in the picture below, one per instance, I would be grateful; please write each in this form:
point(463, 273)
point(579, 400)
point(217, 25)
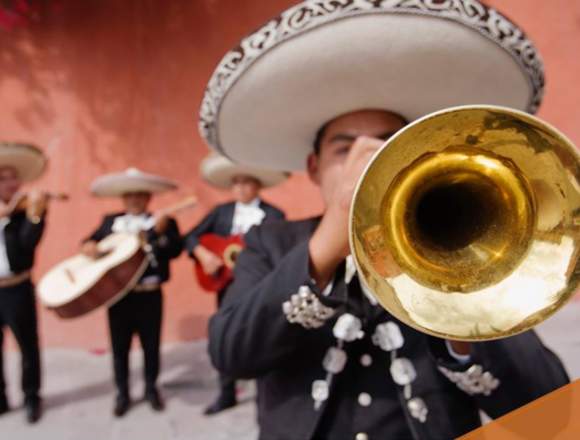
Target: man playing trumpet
point(329, 362)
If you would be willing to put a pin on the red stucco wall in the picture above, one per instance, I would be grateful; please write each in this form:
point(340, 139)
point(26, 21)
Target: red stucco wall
point(102, 85)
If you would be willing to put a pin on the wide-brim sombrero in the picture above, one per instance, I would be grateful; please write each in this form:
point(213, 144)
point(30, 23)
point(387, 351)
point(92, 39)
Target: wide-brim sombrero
point(130, 181)
point(219, 171)
point(29, 161)
point(319, 59)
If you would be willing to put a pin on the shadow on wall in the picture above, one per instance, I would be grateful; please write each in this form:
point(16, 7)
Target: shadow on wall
point(121, 72)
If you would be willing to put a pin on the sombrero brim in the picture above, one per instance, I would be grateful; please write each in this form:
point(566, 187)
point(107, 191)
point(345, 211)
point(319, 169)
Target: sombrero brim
point(269, 96)
point(219, 172)
point(28, 160)
point(116, 185)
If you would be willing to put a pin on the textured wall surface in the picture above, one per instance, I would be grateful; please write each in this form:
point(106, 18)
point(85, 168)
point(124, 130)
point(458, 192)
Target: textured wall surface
point(102, 85)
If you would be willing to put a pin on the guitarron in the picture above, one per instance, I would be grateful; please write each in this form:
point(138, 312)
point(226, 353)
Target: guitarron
point(81, 284)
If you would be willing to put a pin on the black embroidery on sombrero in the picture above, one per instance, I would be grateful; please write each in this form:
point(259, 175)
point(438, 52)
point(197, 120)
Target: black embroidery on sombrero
point(310, 14)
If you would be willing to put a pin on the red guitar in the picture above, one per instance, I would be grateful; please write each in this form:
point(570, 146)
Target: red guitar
point(227, 248)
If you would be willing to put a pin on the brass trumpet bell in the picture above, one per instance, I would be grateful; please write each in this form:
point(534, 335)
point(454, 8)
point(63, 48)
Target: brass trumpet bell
point(465, 225)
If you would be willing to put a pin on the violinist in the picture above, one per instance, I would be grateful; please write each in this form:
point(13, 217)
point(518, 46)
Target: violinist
point(21, 228)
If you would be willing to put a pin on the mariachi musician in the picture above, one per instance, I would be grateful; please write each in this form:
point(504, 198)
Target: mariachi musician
point(140, 311)
point(22, 222)
point(330, 363)
point(233, 218)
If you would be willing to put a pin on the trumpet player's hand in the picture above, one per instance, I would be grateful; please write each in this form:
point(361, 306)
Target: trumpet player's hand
point(90, 249)
point(329, 244)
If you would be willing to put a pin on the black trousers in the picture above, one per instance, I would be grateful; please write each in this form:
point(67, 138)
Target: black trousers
point(18, 312)
point(137, 313)
point(227, 383)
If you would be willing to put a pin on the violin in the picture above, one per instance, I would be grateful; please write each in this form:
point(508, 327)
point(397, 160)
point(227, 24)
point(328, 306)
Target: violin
point(20, 202)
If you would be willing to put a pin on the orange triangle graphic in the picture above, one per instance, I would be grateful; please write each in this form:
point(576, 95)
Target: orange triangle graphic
point(553, 416)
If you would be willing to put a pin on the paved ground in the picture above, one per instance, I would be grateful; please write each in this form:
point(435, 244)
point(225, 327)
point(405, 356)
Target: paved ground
point(78, 394)
point(78, 398)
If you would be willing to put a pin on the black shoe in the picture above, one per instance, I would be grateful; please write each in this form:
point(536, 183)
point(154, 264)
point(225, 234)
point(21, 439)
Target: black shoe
point(122, 404)
point(221, 404)
point(155, 400)
point(33, 410)
point(4, 407)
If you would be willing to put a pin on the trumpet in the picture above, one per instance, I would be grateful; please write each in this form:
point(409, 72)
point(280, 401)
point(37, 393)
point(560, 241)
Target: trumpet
point(465, 225)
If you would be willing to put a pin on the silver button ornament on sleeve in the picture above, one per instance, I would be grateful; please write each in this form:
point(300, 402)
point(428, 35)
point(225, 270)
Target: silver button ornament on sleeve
point(473, 381)
point(304, 308)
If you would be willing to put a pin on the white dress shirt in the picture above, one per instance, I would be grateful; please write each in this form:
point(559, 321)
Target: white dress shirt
point(133, 224)
point(4, 263)
point(247, 215)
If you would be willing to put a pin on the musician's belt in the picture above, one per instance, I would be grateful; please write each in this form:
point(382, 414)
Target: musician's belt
point(150, 287)
point(14, 280)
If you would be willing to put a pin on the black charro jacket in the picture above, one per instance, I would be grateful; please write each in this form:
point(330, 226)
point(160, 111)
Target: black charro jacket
point(250, 337)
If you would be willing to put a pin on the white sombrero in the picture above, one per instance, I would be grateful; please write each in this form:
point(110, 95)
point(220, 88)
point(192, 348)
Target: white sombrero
point(130, 181)
point(320, 59)
point(219, 171)
point(28, 160)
